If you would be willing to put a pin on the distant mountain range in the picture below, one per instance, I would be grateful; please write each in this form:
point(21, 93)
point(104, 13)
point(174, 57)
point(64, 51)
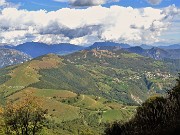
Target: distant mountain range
point(97, 45)
point(175, 46)
point(156, 53)
point(35, 49)
point(12, 57)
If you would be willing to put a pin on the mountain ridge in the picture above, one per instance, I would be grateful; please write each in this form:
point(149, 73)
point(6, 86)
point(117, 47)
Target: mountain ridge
point(35, 49)
point(156, 53)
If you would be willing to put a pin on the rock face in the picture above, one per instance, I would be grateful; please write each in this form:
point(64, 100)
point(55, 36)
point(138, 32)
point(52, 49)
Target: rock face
point(11, 57)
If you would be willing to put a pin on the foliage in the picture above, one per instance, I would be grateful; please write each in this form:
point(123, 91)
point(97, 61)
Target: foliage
point(24, 117)
point(114, 129)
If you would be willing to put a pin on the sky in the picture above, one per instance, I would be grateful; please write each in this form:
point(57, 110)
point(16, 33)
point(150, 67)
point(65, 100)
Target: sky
point(83, 22)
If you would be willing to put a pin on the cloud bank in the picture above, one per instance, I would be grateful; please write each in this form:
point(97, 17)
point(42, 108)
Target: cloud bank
point(85, 26)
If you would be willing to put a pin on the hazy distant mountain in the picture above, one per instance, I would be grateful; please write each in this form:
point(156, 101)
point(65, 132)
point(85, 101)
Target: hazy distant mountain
point(156, 53)
point(12, 57)
point(146, 46)
point(108, 44)
point(36, 49)
point(175, 46)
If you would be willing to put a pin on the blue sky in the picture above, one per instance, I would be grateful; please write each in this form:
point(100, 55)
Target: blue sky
point(83, 22)
point(51, 5)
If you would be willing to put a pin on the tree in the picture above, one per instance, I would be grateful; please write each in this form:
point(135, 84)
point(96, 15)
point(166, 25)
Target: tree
point(114, 129)
point(24, 117)
point(174, 105)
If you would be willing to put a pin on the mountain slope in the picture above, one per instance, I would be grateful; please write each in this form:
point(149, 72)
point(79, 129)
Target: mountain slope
point(11, 57)
point(89, 87)
point(115, 75)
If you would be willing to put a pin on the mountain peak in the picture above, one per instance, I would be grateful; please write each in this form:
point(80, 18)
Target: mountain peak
point(107, 45)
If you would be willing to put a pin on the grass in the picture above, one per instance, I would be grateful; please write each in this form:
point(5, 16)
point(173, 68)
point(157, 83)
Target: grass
point(87, 102)
point(27, 74)
point(56, 110)
point(69, 109)
point(116, 115)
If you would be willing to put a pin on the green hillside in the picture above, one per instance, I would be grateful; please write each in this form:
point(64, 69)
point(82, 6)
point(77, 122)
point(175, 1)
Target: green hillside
point(83, 113)
point(115, 75)
point(85, 90)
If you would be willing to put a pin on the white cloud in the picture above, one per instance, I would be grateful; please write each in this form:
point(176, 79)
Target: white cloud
point(2, 2)
point(5, 4)
point(154, 2)
point(51, 38)
point(85, 26)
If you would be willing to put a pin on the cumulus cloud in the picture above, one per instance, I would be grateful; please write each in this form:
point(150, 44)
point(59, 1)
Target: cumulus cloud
point(85, 26)
point(154, 2)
